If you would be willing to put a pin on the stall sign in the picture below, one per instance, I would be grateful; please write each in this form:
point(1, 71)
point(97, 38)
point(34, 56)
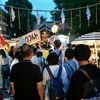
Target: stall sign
point(32, 37)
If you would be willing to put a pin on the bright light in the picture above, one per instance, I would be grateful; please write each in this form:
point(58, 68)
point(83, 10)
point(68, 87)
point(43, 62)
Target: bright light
point(54, 28)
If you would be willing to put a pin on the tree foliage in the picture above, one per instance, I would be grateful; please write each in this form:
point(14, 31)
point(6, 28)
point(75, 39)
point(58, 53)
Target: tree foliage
point(71, 4)
point(27, 19)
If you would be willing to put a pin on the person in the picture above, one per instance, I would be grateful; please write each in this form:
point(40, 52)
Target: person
point(75, 91)
point(52, 59)
point(69, 46)
point(26, 78)
point(58, 51)
point(34, 57)
point(40, 59)
point(12, 52)
point(16, 59)
point(71, 65)
point(44, 51)
point(5, 61)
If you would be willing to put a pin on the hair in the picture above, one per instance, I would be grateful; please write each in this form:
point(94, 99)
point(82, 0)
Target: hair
point(11, 52)
point(69, 53)
point(39, 54)
point(26, 50)
point(44, 46)
point(57, 43)
point(52, 58)
point(50, 50)
point(18, 55)
point(34, 50)
point(69, 45)
point(3, 53)
point(82, 52)
point(11, 48)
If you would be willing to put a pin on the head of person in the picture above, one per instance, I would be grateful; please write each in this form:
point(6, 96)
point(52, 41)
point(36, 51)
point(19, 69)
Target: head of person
point(82, 52)
point(39, 53)
point(69, 54)
point(44, 46)
point(34, 51)
point(52, 58)
point(69, 46)
point(18, 55)
point(3, 53)
point(11, 48)
point(26, 51)
point(57, 43)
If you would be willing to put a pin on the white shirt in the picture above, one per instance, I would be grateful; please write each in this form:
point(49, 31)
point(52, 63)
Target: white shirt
point(54, 69)
point(13, 62)
point(6, 60)
point(34, 60)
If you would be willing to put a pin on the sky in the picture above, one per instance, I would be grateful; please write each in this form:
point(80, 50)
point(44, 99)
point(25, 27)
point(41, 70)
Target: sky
point(40, 5)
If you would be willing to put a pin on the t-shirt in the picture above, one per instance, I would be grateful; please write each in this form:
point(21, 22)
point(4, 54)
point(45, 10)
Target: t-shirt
point(61, 56)
point(54, 69)
point(75, 90)
point(25, 76)
point(45, 53)
point(70, 66)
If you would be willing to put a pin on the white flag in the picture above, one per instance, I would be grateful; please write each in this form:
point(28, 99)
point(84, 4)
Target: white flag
point(38, 17)
point(88, 13)
point(12, 14)
point(62, 17)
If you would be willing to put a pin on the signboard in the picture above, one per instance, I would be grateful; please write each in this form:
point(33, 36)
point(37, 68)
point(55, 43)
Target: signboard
point(32, 37)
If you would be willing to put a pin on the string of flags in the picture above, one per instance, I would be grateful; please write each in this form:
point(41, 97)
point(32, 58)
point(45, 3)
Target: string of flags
point(88, 13)
point(62, 17)
point(38, 17)
point(12, 14)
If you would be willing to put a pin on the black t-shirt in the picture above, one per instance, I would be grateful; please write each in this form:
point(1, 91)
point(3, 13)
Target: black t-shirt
point(25, 76)
point(75, 90)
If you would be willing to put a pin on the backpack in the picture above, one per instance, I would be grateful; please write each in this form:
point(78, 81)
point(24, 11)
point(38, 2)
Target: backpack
point(56, 85)
point(91, 88)
point(60, 58)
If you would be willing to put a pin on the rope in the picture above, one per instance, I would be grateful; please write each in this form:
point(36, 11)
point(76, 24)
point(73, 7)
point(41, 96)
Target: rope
point(52, 10)
point(71, 10)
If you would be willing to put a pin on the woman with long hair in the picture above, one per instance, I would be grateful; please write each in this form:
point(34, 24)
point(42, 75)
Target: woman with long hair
point(4, 68)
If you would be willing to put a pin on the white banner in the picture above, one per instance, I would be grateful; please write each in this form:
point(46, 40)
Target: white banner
point(32, 37)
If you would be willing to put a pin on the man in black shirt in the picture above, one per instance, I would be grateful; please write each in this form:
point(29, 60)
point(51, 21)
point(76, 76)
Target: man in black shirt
point(78, 79)
point(26, 78)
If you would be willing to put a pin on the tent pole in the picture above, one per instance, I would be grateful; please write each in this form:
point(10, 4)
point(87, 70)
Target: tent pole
point(96, 52)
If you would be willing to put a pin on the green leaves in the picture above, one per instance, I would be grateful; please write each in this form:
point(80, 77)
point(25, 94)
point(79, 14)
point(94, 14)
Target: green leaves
point(76, 19)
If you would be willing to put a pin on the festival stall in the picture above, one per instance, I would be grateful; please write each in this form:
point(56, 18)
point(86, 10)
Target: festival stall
point(4, 44)
point(91, 39)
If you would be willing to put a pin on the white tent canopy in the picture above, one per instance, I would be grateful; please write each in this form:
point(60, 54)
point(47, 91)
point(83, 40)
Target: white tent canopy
point(89, 39)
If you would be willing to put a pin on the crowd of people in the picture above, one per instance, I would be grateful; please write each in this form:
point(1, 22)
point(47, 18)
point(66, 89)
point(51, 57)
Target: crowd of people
point(24, 70)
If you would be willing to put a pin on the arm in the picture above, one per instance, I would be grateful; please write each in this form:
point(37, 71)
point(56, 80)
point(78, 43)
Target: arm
point(12, 87)
point(40, 90)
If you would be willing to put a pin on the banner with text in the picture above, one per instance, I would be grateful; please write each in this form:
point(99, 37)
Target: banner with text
point(32, 37)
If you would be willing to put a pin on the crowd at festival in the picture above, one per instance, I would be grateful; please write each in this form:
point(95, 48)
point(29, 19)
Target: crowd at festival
point(24, 71)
